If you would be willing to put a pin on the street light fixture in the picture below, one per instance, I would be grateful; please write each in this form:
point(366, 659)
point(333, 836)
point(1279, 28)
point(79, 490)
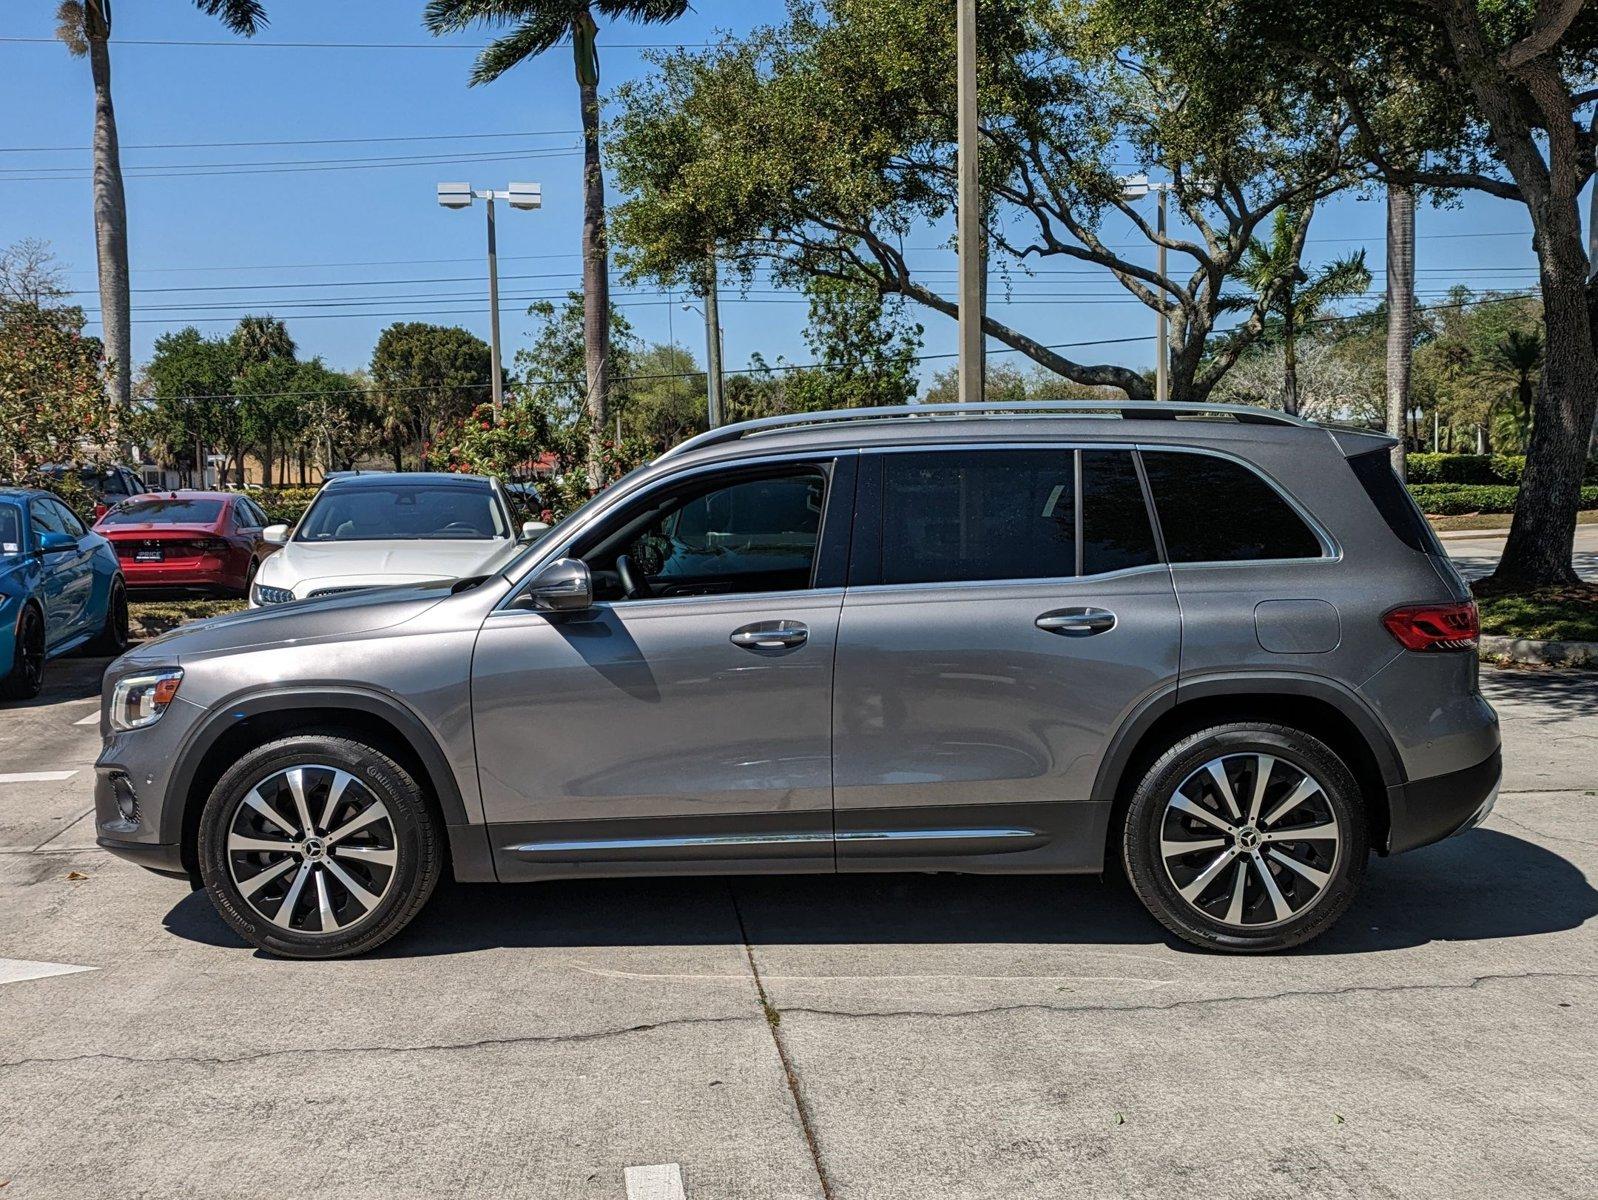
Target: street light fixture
point(1135, 187)
point(525, 196)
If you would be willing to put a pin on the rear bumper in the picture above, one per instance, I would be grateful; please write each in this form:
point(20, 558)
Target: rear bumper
point(1428, 810)
point(185, 575)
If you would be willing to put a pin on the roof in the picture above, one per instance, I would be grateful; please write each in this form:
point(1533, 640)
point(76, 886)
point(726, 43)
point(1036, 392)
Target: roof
point(389, 478)
point(22, 493)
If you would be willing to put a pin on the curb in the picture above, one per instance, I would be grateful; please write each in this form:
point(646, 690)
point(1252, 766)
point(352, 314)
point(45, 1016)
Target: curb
point(1541, 654)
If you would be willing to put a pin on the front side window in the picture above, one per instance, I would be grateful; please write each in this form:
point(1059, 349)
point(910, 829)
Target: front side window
point(1215, 510)
point(45, 519)
point(954, 516)
point(715, 538)
point(403, 512)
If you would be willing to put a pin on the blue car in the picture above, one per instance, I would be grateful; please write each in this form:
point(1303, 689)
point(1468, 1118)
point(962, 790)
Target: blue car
point(60, 588)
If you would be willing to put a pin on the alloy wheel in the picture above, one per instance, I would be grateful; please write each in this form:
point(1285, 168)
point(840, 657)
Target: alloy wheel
point(1250, 840)
point(312, 849)
point(31, 649)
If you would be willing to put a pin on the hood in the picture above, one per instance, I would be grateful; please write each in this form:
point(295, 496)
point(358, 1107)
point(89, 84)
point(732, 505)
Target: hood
point(298, 621)
point(306, 566)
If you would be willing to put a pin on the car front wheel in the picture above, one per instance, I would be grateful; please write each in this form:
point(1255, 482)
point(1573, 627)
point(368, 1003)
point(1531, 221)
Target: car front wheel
point(1246, 837)
point(318, 846)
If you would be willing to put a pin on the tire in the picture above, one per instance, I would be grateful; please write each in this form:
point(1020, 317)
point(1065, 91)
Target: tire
point(392, 858)
point(25, 680)
point(112, 639)
point(1246, 886)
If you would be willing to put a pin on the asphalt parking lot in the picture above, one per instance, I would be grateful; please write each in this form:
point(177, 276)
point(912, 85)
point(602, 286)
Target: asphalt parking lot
point(915, 1036)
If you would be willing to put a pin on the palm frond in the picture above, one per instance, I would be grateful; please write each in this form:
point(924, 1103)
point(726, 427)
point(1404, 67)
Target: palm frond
point(452, 16)
point(532, 39)
point(244, 17)
point(69, 18)
point(645, 12)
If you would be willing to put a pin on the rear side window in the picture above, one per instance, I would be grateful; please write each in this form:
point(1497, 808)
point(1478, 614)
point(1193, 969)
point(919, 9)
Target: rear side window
point(1392, 499)
point(1215, 510)
point(997, 514)
point(1115, 519)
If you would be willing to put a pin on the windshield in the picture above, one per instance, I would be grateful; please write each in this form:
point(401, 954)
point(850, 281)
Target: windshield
point(403, 512)
point(10, 530)
point(175, 511)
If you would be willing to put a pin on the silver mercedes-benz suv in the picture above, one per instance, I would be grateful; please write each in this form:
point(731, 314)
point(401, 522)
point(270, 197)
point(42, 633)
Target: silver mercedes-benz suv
point(1219, 645)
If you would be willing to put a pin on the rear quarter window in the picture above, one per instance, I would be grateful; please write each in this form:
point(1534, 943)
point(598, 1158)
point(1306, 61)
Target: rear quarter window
point(1212, 509)
point(1393, 501)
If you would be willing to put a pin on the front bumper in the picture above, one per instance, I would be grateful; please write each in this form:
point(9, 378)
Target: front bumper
point(1424, 811)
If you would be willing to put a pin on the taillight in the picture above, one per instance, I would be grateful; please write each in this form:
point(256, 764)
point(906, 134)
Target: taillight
point(211, 546)
point(1435, 626)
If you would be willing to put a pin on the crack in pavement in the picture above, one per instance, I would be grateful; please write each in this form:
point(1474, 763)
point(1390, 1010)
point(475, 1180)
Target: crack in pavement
point(420, 1048)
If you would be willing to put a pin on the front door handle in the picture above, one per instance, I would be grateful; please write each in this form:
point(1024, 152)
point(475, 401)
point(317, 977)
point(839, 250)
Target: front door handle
point(1077, 622)
point(771, 635)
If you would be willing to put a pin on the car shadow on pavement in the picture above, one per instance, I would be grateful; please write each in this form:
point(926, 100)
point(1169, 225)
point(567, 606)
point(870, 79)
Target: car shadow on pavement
point(71, 677)
point(1485, 884)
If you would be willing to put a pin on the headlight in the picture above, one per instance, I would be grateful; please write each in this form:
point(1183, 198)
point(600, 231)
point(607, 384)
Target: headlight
point(271, 595)
point(139, 700)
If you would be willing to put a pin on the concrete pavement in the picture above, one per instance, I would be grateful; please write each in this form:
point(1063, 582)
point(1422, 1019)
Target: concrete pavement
point(1477, 551)
point(799, 1037)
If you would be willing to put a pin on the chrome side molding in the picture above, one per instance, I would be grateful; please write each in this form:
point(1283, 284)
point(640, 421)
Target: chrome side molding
point(603, 845)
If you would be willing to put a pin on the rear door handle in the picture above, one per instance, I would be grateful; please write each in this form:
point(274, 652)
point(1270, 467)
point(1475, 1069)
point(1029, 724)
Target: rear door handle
point(771, 635)
point(1077, 622)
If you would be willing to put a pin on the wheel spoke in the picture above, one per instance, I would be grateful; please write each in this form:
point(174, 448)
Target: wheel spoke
point(1234, 911)
point(258, 881)
point(360, 821)
point(259, 804)
point(238, 843)
point(335, 792)
point(1264, 764)
point(296, 781)
point(378, 854)
point(1177, 849)
point(355, 888)
point(1204, 878)
point(1279, 902)
point(1319, 878)
point(1217, 770)
point(285, 911)
point(1306, 788)
point(329, 921)
point(1326, 832)
point(1183, 805)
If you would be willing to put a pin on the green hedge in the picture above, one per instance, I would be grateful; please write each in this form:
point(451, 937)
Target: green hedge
point(285, 505)
point(1454, 499)
point(1473, 468)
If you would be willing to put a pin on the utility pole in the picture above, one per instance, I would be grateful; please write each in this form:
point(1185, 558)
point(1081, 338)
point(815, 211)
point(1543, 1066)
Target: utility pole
point(1162, 340)
point(969, 234)
point(712, 344)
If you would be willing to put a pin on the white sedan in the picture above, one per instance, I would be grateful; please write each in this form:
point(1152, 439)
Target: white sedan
point(366, 531)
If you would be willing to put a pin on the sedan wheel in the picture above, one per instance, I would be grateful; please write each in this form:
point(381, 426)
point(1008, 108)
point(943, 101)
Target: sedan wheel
point(26, 677)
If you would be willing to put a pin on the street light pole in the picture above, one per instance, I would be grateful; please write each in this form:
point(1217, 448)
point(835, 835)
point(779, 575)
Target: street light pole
point(712, 344)
point(969, 204)
point(526, 196)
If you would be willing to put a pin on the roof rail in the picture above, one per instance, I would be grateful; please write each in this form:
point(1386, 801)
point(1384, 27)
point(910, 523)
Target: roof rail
point(1155, 409)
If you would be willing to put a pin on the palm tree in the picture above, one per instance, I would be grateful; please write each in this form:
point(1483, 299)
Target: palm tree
point(1518, 357)
point(537, 26)
point(85, 27)
point(1273, 268)
point(257, 339)
point(1400, 312)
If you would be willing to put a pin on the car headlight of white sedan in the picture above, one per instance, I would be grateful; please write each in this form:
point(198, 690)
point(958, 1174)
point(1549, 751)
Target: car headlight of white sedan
point(262, 593)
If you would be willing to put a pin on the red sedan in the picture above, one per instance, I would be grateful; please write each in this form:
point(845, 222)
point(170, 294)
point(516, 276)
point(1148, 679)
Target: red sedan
point(208, 541)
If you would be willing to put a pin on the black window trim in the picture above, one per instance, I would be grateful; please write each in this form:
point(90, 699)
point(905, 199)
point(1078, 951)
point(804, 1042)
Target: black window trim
point(1330, 550)
point(865, 567)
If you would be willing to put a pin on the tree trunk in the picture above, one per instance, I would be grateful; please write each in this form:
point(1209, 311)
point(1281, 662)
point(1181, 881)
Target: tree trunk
point(110, 225)
point(399, 460)
point(596, 287)
point(1289, 360)
point(1400, 312)
point(266, 463)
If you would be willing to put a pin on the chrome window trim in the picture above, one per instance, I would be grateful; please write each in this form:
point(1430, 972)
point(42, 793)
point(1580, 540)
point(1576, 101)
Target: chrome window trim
point(666, 479)
point(988, 585)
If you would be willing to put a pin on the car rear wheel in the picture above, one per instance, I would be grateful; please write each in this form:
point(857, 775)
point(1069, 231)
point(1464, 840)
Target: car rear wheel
point(113, 636)
point(318, 846)
point(26, 678)
point(1246, 837)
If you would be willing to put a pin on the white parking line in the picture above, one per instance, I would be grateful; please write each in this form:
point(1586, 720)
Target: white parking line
point(15, 970)
point(36, 776)
point(92, 719)
point(662, 1182)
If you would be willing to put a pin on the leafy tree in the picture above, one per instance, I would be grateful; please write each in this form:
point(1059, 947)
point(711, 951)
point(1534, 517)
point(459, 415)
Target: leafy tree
point(1293, 296)
point(84, 26)
point(258, 339)
point(424, 377)
point(52, 390)
point(1493, 96)
point(665, 399)
point(536, 26)
point(814, 149)
point(341, 423)
point(190, 380)
point(865, 349)
point(269, 412)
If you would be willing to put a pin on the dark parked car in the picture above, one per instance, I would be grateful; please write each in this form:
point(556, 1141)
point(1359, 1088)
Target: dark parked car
point(1221, 645)
point(107, 485)
point(190, 541)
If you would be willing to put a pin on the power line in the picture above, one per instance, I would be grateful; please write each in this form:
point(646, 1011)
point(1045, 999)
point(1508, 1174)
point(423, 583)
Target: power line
point(286, 166)
point(348, 141)
point(256, 44)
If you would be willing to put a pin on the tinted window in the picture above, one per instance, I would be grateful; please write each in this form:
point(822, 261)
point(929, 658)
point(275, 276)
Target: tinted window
point(45, 518)
point(755, 535)
point(1392, 499)
point(402, 512)
point(68, 519)
point(1215, 510)
point(164, 512)
point(1115, 520)
point(993, 514)
point(10, 529)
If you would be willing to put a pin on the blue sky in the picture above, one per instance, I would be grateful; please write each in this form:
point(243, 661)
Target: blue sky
point(350, 250)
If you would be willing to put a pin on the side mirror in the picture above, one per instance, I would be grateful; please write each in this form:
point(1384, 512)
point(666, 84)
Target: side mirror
point(275, 535)
point(57, 543)
point(562, 586)
point(533, 530)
